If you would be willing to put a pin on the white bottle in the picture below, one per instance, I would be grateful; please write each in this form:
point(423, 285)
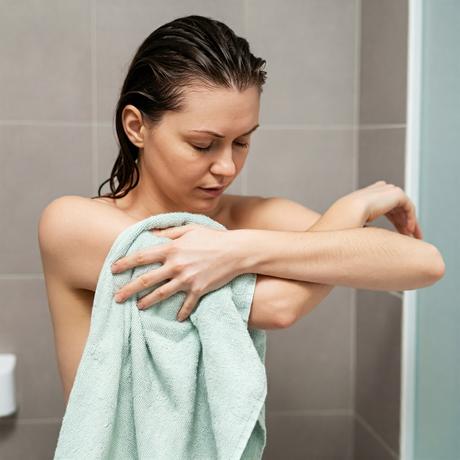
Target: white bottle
point(7, 384)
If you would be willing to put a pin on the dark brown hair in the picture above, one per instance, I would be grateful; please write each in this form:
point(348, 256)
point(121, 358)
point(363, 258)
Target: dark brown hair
point(188, 50)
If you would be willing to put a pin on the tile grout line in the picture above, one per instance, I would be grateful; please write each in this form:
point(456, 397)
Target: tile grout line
point(381, 441)
point(395, 294)
point(276, 413)
point(245, 175)
point(13, 276)
point(39, 275)
point(312, 412)
point(356, 137)
point(273, 126)
point(94, 124)
point(31, 420)
point(356, 131)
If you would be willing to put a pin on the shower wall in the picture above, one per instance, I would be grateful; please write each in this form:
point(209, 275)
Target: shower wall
point(306, 151)
point(336, 75)
point(382, 131)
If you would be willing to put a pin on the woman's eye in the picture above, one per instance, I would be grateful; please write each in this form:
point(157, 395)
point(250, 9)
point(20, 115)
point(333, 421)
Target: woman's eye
point(205, 149)
point(202, 149)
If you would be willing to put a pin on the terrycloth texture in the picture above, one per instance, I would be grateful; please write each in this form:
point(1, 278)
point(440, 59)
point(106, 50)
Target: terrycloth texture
point(151, 387)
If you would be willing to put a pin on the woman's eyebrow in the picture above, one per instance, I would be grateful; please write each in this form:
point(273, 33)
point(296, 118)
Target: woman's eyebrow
point(213, 133)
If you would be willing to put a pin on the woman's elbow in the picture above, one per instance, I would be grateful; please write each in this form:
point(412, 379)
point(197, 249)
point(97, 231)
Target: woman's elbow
point(439, 266)
point(433, 265)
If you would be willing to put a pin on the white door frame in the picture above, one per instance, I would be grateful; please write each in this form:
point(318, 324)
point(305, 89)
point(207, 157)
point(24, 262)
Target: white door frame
point(412, 163)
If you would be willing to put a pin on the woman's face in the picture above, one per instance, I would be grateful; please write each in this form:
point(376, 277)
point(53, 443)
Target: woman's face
point(177, 157)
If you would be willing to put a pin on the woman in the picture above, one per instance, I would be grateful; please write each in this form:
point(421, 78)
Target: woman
point(188, 78)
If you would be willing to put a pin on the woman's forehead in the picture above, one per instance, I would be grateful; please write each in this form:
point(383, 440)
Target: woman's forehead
point(218, 111)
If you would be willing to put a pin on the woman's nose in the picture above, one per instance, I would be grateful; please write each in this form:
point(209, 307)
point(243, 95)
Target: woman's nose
point(224, 165)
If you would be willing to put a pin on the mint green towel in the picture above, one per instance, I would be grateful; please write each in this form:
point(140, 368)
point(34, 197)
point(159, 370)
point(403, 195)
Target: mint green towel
point(151, 387)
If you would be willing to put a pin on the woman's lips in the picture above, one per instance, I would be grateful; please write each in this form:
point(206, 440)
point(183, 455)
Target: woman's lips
point(212, 191)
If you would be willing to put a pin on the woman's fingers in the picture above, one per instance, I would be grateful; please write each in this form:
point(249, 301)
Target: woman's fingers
point(397, 217)
point(412, 225)
point(392, 201)
point(418, 231)
point(174, 232)
point(163, 292)
point(166, 291)
point(144, 257)
point(188, 306)
point(144, 281)
point(378, 183)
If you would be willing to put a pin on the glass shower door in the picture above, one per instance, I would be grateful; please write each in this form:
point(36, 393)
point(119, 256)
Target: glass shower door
point(431, 356)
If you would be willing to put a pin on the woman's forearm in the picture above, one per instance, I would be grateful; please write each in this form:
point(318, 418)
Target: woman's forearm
point(363, 258)
point(293, 298)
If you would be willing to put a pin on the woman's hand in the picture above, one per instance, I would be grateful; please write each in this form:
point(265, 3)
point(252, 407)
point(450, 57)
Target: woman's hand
point(199, 259)
point(380, 199)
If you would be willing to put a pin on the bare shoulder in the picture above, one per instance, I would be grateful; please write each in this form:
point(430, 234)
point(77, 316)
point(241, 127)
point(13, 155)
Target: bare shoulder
point(271, 213)
point(75, 234)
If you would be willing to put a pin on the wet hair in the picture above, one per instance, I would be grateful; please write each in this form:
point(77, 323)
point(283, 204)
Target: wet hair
point(186, 51)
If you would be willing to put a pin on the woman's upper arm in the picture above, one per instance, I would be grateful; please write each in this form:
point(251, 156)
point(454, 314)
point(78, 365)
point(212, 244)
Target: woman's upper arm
point(70, 311)
point(75, 236)
point(273, 213)
point(59, 235)
point(277, 213)
point(69, 306)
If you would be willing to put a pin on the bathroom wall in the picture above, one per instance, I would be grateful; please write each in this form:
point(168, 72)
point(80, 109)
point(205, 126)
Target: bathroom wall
point(382, 130)
point(63, 64)
point(306, 151)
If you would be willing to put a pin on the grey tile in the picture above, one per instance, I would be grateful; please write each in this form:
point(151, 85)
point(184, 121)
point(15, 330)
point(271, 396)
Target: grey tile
point(107, 152)
point(48, 70)
point(368, 446)
point(308, 364)
point(43, 162)
point(28, 440)
point(378, 363)
point(117, 40)
point(309, 47)
point(382, 157)
point(384, 32)
point(309, 437)
point(313, 167)
point(26, 330)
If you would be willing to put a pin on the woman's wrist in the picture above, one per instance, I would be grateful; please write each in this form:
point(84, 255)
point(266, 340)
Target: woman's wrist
point(341, 215)
point(247, 245)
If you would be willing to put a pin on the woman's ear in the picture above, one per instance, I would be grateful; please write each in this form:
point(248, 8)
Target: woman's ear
point(133, 125)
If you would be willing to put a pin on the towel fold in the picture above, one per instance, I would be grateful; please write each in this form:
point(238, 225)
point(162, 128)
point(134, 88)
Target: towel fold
point(151, 387)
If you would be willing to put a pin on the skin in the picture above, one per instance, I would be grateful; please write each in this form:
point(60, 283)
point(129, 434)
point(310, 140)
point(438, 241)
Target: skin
point(176, 157)
point(171, 168)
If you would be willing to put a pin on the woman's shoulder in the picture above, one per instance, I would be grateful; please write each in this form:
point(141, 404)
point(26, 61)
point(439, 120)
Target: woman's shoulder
point(267, 213)
point(75, 235)
point(240, 210)
point(272, 213)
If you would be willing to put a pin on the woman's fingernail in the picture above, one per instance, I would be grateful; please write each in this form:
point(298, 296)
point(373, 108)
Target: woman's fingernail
point(119, 298)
